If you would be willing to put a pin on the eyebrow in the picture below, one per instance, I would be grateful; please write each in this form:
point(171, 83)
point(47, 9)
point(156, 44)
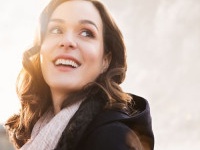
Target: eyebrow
point(88, 22)
point(85, 21)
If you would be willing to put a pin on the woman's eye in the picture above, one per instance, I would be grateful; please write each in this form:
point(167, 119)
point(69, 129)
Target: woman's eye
point(56, 31)
point(87, 33)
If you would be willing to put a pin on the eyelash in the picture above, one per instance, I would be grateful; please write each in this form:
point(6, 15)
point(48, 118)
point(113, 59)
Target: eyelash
point(55, 30)
point(89, 33)
point(58, 30)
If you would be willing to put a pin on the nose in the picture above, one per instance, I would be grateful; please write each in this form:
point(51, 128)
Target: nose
point(68, 41)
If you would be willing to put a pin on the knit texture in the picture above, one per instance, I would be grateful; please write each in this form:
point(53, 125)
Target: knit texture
point(48, 129)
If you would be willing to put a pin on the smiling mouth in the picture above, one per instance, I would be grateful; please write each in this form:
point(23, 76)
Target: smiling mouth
point(66, 62)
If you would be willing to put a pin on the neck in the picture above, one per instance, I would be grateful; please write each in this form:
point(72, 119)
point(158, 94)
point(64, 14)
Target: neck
point(58, 99)
point(57, 108)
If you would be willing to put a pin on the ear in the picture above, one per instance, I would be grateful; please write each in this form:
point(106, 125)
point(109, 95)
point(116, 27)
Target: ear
point(106, 61)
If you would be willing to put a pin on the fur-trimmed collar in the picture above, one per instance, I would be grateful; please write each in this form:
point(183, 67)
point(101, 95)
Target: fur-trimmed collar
point(79, 123)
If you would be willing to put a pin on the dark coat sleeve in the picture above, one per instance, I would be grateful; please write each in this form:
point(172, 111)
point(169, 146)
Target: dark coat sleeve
point(112, 136)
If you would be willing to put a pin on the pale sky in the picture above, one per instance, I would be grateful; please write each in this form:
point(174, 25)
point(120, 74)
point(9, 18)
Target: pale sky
point(163, 52)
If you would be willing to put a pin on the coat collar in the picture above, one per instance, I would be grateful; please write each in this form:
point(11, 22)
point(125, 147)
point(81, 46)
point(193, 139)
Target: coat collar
point(140, 122)
point(91, 115)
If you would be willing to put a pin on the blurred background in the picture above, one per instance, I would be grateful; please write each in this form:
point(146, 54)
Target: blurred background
point(163, 52)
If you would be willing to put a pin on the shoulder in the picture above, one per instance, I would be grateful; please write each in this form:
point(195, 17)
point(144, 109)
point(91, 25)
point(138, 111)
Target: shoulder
point(117, 130)
point(113, 136)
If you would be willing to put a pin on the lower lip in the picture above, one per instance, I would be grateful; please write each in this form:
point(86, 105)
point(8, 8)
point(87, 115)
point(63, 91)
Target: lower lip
point(65, 68)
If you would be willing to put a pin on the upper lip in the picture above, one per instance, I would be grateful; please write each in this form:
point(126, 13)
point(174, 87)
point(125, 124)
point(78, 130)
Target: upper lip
point(67, 57)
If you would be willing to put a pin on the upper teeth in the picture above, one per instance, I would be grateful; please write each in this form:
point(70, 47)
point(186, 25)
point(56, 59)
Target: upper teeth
point(66, 62)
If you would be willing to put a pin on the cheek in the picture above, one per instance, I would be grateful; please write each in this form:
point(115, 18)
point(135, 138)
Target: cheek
point(48, 45)
point(43, 54)
point(45, 50)
point(94, 54)
point(44, 63)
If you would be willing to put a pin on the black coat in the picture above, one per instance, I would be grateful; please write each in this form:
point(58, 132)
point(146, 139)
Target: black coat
point(93, 128)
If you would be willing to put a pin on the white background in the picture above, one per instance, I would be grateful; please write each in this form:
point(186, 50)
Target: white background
point(163, 51)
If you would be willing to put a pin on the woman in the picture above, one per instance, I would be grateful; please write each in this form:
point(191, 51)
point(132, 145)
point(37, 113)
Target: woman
point(69, 85)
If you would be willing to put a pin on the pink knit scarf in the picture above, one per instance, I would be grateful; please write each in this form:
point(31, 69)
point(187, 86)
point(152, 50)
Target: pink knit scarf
point(48, 129)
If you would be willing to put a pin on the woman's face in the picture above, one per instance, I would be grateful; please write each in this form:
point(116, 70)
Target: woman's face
point(72, 52)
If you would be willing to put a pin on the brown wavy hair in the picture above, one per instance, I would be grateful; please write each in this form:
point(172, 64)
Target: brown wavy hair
point(34, 93)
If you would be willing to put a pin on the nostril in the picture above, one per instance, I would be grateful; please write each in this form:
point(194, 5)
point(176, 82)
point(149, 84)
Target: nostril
point(68, 44)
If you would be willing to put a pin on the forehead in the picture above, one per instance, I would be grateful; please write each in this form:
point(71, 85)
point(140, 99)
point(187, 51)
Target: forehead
point(77, 10)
